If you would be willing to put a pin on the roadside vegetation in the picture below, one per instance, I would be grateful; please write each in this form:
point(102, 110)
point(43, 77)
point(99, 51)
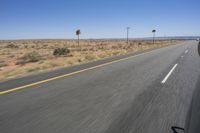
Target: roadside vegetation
point(31, 57)
point(24, 56)
point(61, 51)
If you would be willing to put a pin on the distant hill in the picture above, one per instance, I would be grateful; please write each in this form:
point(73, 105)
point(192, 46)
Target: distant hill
point(150, 38)
point(174, 38)
point(144, 38)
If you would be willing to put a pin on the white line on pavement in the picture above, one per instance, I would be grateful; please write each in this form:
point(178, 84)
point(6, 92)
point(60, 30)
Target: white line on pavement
point(168, 75)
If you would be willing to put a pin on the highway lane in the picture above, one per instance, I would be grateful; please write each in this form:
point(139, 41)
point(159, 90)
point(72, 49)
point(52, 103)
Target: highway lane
point(122, 97)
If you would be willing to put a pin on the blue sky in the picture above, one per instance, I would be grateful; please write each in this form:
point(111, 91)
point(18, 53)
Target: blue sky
point(32, 19)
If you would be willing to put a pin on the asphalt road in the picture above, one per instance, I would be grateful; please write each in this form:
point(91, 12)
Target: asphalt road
point(140, 93)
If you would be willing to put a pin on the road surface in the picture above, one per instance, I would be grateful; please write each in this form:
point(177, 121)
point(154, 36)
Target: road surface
point(137, 93)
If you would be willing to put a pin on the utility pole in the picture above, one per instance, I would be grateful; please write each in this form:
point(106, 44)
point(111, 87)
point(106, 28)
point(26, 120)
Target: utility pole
point(153, 31)
point(78, 32)
point(127, 28)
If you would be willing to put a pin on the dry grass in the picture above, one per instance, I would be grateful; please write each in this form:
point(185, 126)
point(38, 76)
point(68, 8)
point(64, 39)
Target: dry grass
point(24, 56)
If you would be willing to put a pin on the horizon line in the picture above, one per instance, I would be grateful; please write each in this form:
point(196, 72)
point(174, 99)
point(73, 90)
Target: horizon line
point(117, 38)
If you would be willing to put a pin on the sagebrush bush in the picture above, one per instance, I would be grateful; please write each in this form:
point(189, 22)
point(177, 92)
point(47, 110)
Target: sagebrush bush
point(3, 64)
point(31, 57)
point(11, 45)
point(61, 51)
point(90, 57)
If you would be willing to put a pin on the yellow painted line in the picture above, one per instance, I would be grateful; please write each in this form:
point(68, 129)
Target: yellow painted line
point(66, 75)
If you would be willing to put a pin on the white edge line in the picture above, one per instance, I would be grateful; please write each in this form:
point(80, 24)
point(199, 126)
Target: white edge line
point(168, 75)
